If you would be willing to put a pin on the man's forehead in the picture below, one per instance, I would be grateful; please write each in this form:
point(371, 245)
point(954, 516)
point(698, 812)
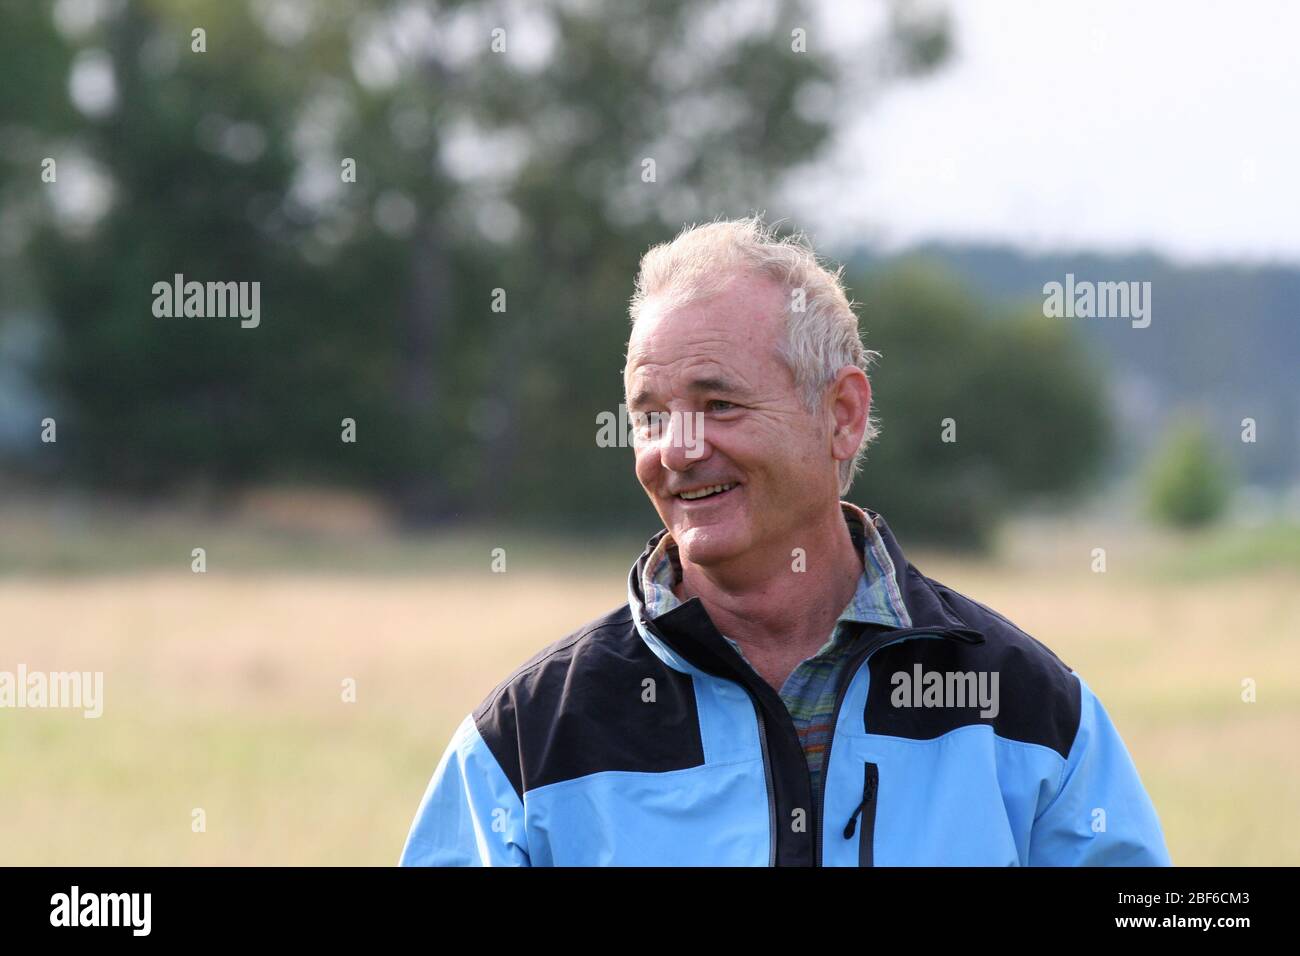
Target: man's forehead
point(742, 324)
point(700, 365)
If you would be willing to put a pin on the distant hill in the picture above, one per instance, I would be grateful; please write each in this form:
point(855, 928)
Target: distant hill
point(1223, 343)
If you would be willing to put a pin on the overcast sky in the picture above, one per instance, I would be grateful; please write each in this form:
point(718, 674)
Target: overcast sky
point(1170, 126)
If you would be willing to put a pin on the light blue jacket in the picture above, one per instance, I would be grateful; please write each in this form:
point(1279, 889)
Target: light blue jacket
point(637, 741)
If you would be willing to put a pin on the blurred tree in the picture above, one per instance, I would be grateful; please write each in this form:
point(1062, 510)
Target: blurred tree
point(1188, 484)
point(495, 148)
point(978, 411)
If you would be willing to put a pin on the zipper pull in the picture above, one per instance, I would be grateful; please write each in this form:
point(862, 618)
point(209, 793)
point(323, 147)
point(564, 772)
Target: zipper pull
point(853, 820)
point(868, 791)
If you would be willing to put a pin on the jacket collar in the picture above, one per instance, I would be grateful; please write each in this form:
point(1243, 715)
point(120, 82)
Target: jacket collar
point(926, 608)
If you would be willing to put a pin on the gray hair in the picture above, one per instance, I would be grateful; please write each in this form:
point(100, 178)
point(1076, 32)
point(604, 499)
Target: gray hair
point(822, 334)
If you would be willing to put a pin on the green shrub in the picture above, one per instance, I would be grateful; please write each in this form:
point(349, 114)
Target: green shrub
point(1188, 484)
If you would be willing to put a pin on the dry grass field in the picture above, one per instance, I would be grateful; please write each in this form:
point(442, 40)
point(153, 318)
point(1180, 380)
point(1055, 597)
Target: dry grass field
point(223, 691)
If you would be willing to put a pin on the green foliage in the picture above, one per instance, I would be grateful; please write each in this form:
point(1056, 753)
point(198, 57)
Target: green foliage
point(1188, 483)
point(1026, 405)
point(475, 171)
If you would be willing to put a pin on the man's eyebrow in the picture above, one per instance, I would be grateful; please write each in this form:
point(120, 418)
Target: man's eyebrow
point(713, 384)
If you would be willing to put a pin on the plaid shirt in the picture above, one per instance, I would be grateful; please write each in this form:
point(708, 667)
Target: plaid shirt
point(809, 691)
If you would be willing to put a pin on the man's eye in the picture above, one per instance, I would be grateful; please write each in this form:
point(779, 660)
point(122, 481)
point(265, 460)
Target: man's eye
point(718, 405)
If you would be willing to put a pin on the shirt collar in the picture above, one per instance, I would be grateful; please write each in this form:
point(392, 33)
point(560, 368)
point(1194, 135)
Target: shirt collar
point(877, 599)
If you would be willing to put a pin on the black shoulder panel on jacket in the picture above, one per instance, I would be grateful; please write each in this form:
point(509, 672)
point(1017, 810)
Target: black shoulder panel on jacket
point(596, 700)
point(1036, 697)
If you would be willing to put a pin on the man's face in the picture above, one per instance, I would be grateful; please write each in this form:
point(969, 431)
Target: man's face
point(719, 358)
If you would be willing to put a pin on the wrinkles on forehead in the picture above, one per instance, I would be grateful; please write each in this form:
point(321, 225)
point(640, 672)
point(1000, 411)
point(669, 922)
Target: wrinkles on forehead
point(694, 379)
point(652, 383)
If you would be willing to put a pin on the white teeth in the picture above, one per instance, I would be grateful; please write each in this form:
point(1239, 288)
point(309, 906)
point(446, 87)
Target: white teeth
point(705, 492)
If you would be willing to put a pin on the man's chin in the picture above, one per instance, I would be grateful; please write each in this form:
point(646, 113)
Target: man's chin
point(709, 544)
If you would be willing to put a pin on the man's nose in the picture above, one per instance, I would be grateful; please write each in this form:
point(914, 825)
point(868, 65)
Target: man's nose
point(682, 443)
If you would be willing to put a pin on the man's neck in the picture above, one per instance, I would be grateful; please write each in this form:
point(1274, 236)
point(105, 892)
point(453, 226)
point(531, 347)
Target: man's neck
point(774, 612)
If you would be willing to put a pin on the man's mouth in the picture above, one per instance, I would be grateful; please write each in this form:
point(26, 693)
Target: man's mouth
point(708, 491)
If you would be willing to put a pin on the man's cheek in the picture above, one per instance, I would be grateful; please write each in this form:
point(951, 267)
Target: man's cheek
point(645, 472)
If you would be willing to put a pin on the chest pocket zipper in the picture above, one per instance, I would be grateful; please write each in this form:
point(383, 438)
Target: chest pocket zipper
point(867, 810)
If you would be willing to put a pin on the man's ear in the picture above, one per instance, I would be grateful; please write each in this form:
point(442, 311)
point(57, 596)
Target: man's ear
point(849, 405)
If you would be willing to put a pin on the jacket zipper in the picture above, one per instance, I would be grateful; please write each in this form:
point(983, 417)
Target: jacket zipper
point(767, 779)
point(850, 672)
point(867, 810)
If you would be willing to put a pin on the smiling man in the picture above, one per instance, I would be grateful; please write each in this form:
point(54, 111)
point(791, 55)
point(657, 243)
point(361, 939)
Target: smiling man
point(782, 686)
